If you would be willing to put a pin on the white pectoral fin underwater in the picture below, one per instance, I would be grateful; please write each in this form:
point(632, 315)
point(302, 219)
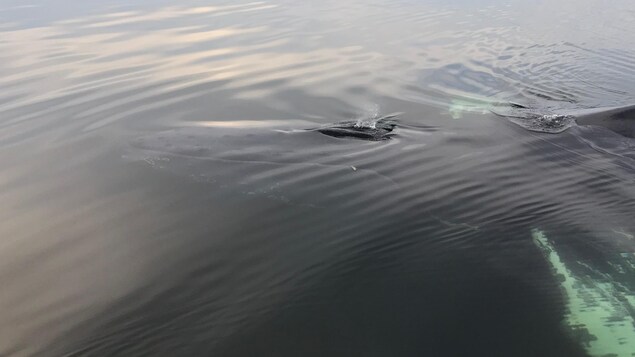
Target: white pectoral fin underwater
point(600, 305)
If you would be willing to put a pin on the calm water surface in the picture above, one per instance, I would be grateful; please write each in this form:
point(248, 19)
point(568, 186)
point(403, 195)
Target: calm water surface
point(160, 196)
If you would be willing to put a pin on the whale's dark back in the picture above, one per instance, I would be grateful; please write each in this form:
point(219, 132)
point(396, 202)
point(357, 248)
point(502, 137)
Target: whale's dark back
point(619, 120)
point(381, 130)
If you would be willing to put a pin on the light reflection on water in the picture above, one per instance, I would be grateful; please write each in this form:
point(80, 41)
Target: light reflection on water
point(148, 209)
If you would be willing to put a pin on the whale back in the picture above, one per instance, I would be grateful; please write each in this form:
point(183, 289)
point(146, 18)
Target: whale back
point(620, 120)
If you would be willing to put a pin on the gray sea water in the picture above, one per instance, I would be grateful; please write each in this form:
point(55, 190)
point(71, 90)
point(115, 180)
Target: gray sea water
point(167, 187)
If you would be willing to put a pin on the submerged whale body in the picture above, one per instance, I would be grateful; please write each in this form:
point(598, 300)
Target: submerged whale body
point(620, 120)
point(432, 213)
